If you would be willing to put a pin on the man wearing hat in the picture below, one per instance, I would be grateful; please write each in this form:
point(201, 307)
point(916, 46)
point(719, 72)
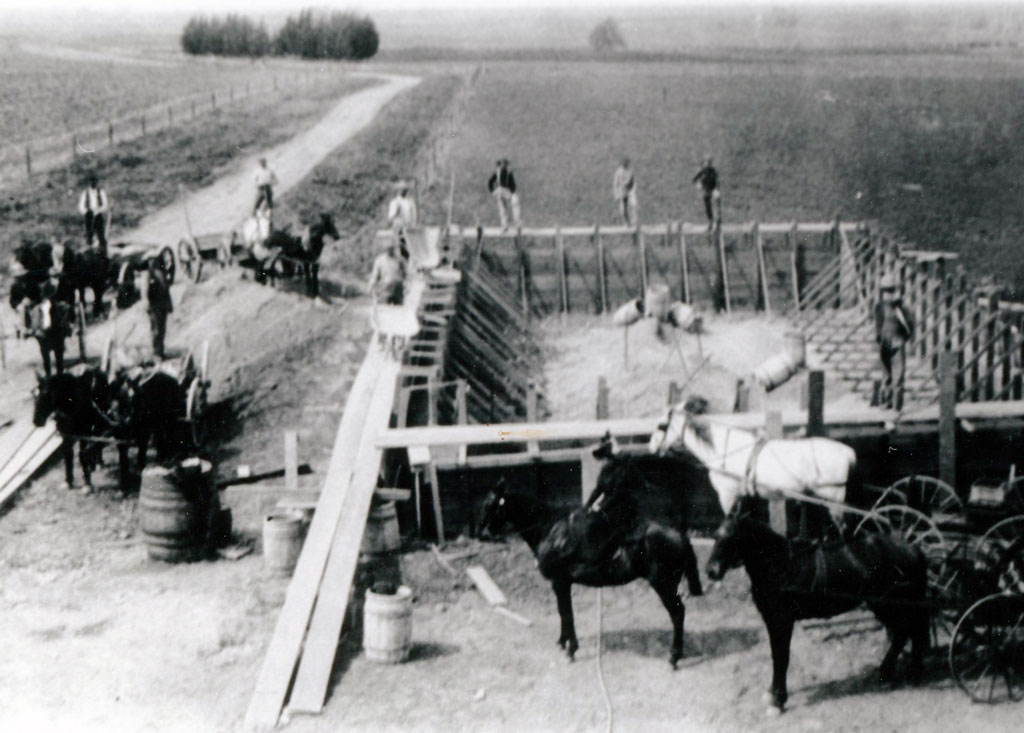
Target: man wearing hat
point(402, 216)
point(706, 181)
point(387, 278)
point(894, 327)
point(94, 206)
point(159, 305)
point(265, 180)
point(502, 185)
point(624, 191)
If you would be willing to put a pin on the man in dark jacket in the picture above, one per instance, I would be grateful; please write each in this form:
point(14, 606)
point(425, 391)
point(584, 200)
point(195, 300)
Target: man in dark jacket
point(502, 185)
point(894, 328)
point(158, 295)
point(707, 183)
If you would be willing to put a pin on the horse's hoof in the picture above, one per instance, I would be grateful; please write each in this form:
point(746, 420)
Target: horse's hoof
point(69, 486)
point(86, 490)
point(695, 592)
point(774, 711)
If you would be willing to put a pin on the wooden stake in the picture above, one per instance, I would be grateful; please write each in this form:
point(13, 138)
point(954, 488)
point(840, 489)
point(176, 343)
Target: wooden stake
point(947, 418)
point(563, 286)
point(759, 243)
point(724, 270)
point(602, 399)
point(816, 403)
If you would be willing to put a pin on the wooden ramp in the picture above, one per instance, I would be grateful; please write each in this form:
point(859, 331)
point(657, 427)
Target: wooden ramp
point(306, 637)
point(23, 449)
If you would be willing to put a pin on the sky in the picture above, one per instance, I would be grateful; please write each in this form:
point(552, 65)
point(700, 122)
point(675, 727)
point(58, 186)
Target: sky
point(369, 6)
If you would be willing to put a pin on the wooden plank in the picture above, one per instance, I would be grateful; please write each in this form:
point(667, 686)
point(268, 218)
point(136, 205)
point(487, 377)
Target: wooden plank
point(24, 453)
point(947, 418)
point(435, 496)
point(724, 269)
point(12, 438)
point(283, 651)
point(759, 244)
point(601, 272)
point(563, 286)
point(816, 403)
point(685, 264)
point(38, 458)
point(486, 585)
point(313, 674)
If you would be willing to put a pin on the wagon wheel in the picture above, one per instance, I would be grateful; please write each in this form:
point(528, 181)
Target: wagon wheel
point(1013, 499)
point(127, 294)
point(928, 495)
point(987, 648)
point(1001, 551)
point(190, 259)
point(918, 530)
point(195, 409)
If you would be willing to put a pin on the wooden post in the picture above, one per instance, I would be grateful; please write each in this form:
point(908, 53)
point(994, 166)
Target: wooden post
point(792, 244)
point(213, 99)
point(642, 244)
point(947, 418)
point(563, 286)
point(291, 460)
point(28, 162)
point(601, 274)
point(816, 403)
point(685, 264)
point(110, 133)
point(742, 401)
point(674, 393)
point(759, 243)
point(602, 399)
point(724, 268)
point(531, 412)
point(462, 413)
point(776, 507)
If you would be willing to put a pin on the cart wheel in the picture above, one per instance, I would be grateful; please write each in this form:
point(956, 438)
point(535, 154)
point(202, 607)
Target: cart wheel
point(928, 495)
point(106, 359)
point(1010, 569)
point(195, 409)
point(188, 369)
point(1013, 499)
point(918, 530)
point(127, 294)
point(991, 545)
point(189, 258)
point(167, 261)
point(987, 647)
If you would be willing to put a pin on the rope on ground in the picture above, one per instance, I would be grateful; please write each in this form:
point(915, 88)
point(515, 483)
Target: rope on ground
point(609, 710)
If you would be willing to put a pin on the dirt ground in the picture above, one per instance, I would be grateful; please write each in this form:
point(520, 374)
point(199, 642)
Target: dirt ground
point(99, 638)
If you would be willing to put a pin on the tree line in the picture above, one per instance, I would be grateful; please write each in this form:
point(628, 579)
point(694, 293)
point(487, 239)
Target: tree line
point(338, 35)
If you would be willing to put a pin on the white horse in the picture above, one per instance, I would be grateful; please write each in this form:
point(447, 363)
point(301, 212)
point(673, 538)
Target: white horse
point(741, 462)
point(256, 232)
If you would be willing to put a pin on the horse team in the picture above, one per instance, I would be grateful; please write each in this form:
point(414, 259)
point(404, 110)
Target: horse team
point(609, 541)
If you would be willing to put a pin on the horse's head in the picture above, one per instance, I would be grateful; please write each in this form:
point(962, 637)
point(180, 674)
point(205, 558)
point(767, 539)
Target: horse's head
point(607, 448)
point(45, 396)
point(671, 429)
point(327, 227)
point(745, 524)
point(494, 518)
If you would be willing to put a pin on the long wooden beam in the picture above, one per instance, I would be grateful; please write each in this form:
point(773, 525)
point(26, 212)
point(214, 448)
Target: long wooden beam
point(659, 229)
point(976, 412)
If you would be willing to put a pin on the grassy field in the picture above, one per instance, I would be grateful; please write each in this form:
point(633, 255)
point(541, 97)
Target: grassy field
point(929, 145)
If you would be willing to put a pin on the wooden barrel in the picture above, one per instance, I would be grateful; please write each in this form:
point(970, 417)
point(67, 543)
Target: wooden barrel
point(775, 371)
point(628, 313)
point(283, 535)
point(174, 506)
point(387, 626)
point(381, 536)
point(656, 301)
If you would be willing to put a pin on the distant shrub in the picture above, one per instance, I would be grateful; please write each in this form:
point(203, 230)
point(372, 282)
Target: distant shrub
point(606, 36)
point(231, 36)
point(334, 36)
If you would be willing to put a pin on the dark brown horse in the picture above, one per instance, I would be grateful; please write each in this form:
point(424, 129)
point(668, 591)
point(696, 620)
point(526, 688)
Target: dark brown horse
point(790, 581)
point(87, 269)
point(148, 405)
point(298, 253)
point(606, 544)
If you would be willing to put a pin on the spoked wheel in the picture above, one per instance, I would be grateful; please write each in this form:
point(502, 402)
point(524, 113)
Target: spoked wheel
point(188, 256)
point(930, 496)
point(168, 263)
point(1001, 536)
point(916, 529)
point(195, 412)
point(986, 655)
point(1013, 499)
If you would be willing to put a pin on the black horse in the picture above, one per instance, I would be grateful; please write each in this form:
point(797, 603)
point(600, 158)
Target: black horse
point(790, 582)
point(149, 405)
point(86, 269)
point(49, 322)
point(79, 404)
point(303, 253)
point(600, 546)
point(36, 262)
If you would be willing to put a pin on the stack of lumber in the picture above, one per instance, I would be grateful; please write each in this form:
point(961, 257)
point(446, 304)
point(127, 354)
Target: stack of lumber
point(24, 448)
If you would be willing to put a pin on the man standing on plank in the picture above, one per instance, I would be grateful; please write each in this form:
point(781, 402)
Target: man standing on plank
point(265, 181)
point(624, 191)
point(894, 328)
point(707, 183)
point(502, 185)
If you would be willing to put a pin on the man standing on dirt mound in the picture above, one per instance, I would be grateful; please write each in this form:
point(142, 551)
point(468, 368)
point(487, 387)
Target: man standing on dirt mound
point(894, 327)
point(502, 185)
point(94, 206)
point(158, 296)
point(265, 180)
point(707, 183)
point(624, 191)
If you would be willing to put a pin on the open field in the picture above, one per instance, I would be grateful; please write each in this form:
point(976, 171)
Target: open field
point(930, 147)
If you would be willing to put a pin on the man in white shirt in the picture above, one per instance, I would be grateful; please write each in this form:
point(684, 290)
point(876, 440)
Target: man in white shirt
point(402, 215)
point(624, 191)
point(387, 278)
point(265, 181)
point(94, 205)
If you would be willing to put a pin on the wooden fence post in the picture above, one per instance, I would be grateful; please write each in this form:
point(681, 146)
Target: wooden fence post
point(723, 268)
point(213, 99)
point(816, 403)
point(601, 274)
point(684, 260)
point(110, 133)
point(142, 120)
point(602, 398)
point(947, 418)
point(641, 244)
point(563, 285)
point(762, 269)
point(532, 412)
point(28, 162)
